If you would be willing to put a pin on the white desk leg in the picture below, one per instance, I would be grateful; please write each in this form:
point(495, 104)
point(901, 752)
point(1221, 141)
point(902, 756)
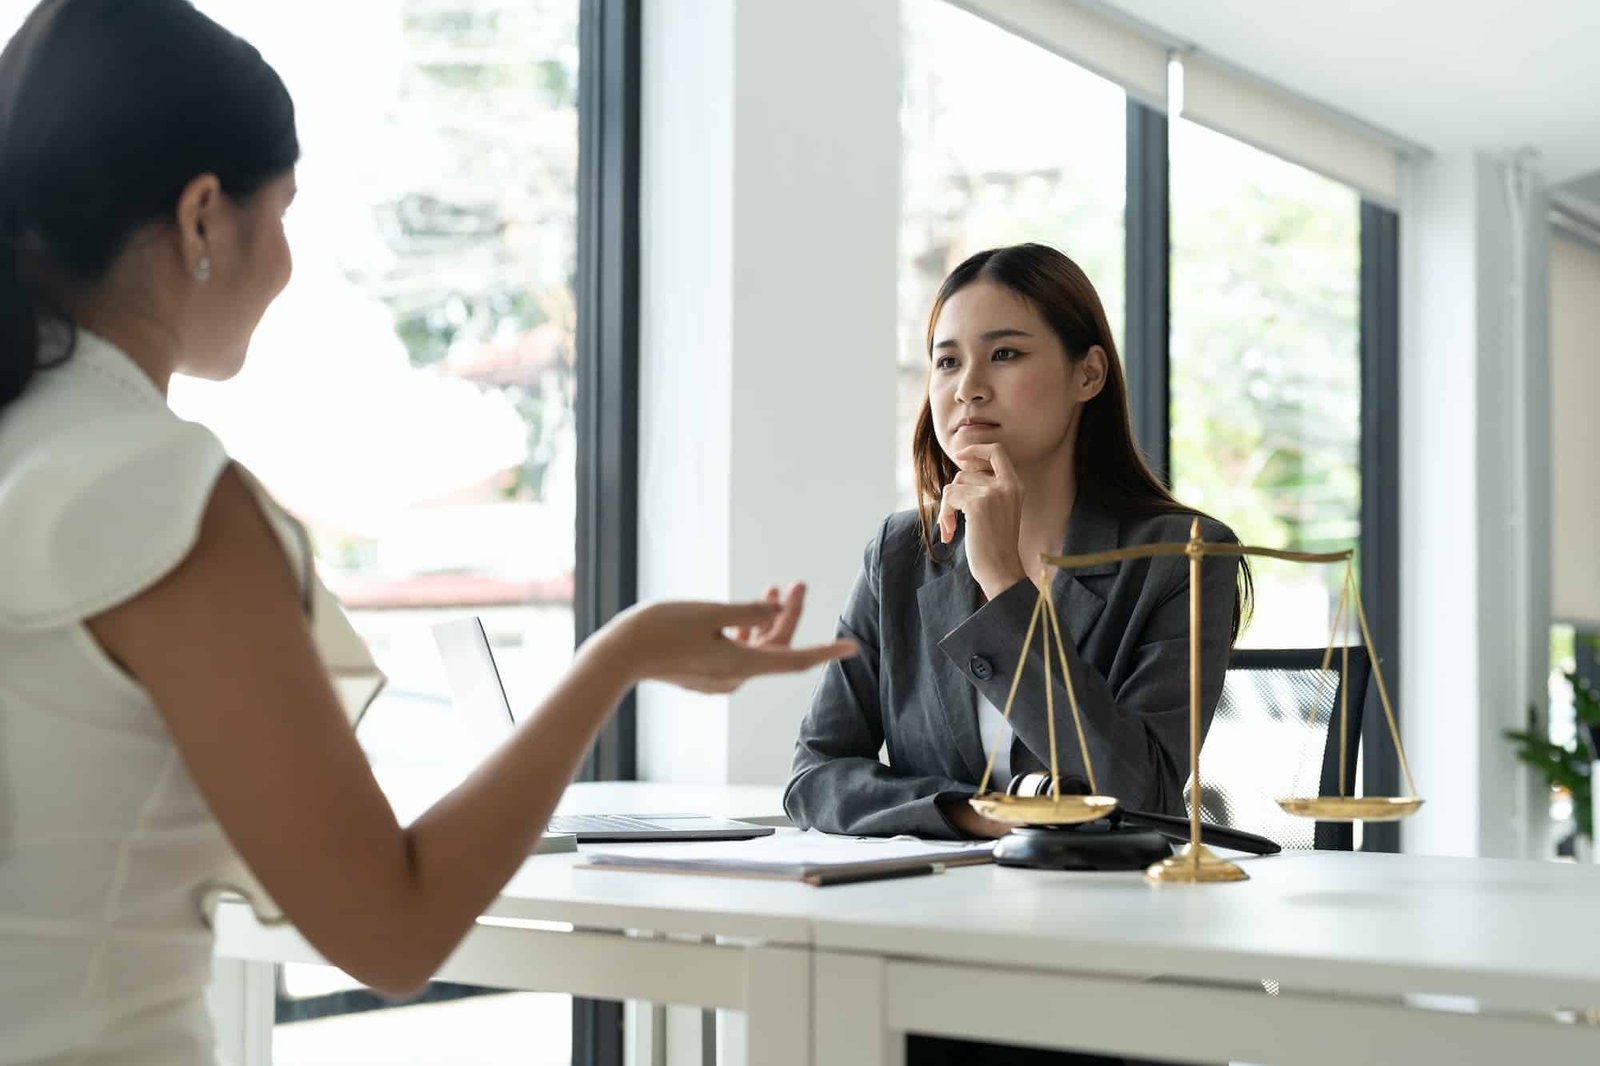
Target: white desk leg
point(775, 1027)
point(850, 1012)
point(243, 1000)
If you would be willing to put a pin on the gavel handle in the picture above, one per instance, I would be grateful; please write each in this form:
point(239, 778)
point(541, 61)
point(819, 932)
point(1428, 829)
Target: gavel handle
point(1176, 828)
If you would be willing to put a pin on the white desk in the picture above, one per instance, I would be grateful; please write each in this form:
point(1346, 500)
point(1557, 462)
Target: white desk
point(730, 945)
point(1376, 956)
point(410, 792)
point(1090, 961)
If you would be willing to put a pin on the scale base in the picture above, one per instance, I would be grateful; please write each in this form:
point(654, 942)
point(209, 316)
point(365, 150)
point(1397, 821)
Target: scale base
point(1196, 864)
point(1089, 847)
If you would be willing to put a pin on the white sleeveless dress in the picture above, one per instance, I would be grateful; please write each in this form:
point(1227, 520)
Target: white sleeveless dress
point(108, 852)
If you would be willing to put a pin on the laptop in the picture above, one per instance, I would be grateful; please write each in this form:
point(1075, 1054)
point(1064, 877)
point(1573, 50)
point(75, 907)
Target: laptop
point(474, 679)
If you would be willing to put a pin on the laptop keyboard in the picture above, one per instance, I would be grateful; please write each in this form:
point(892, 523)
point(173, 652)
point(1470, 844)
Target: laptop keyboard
point(601, 823)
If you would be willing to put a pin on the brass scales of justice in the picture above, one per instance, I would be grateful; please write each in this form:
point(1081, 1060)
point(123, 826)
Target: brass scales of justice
point(1195, 863)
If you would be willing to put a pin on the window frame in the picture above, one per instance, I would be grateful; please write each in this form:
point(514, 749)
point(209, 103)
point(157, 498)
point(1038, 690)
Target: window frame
point(607, 289)
point(1380, 497)
point(606, 581)
point(1147, 225)
point(1147, 359)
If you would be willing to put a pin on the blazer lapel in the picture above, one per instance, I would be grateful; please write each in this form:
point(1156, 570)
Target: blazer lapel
point(951, 598)
point(944, 603)
point(1092, 529)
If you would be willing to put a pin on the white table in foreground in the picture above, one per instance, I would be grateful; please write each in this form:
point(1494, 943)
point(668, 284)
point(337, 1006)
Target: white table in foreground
point(1376, 958)
point(719, 943)
point(589, 933)
point(1104, 962)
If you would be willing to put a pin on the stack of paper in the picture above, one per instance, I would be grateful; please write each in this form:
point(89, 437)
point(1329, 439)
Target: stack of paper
point(816, 858)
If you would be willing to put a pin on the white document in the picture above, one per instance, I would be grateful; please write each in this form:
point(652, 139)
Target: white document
point(790, 853)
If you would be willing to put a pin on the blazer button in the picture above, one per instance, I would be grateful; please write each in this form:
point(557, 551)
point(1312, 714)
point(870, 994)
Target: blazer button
point(981, 668)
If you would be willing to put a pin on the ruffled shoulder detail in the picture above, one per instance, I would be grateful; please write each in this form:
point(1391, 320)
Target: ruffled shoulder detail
point(99, 512)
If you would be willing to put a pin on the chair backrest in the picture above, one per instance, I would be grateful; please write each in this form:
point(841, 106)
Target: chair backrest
point(1265, 742)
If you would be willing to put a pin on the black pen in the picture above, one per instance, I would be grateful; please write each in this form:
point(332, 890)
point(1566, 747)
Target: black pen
point(846, 877)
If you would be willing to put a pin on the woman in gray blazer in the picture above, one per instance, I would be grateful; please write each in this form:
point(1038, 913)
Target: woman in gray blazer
point(1024, 445)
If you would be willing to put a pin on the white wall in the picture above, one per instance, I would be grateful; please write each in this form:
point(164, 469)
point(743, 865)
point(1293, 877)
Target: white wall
point(1438, 497)
point(1475, 461)
point(686, 354)
point(771, 209)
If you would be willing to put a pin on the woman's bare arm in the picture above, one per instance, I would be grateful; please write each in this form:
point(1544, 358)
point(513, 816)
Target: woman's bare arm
point(223, 648)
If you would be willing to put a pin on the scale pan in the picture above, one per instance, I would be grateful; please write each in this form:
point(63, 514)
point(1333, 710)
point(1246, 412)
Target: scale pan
point(1352, 808)
point(1042, 810)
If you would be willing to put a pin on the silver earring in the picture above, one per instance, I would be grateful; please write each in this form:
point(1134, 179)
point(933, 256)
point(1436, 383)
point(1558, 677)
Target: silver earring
point(202, 269)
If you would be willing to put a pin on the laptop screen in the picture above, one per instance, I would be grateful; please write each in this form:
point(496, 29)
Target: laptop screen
point(474, 679)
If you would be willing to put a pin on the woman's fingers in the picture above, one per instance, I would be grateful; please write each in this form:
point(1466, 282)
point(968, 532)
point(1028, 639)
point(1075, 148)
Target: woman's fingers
point(745, 661)
point(771, 660)
point(991, 455)
point(783, 626)
point(973, 464)
point(1002, 463)
point(742, 615)
point(759, 634)
point(947, 512)
point(716, 647)
point(962, 497)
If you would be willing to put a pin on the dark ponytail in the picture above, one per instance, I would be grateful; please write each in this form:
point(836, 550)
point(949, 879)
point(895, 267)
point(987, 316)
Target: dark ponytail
point(108, 109)
point(18, 329)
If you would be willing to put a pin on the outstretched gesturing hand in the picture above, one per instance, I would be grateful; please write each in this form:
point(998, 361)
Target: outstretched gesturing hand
point(716, 647)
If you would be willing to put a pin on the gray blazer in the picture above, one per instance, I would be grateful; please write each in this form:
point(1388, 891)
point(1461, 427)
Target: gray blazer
point(929, 645)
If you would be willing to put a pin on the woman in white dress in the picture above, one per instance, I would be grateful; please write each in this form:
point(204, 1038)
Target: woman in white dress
point(167, 658)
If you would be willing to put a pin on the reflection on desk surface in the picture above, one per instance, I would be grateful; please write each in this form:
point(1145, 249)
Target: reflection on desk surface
point(412, 791)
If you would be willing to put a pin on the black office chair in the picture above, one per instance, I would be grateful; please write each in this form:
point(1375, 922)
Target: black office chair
point(1260, 747)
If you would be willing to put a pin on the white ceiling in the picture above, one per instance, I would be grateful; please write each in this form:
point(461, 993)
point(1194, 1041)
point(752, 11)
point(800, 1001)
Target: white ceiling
point(1448, 74)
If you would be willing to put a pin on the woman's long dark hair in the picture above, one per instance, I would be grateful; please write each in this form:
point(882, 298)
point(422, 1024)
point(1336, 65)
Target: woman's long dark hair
point(108, 109)
point(1108, 466)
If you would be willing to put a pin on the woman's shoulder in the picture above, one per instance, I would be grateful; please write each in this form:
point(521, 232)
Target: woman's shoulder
point(1169, 526)
point(101, 494)
point(897, 542)
point(902, 532)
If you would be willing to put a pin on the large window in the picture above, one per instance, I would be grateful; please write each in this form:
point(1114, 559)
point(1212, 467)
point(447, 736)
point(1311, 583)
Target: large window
point(411, 397)
point(1265, 392)
point(1004, 142)
point(410, 394)
point(1264, 382)
point(1266, 366)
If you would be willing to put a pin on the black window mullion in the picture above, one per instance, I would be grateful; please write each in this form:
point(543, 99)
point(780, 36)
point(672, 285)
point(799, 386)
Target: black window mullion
point(608, 342)
point(1147, 333)
point(607, 365)
point(1380, 498)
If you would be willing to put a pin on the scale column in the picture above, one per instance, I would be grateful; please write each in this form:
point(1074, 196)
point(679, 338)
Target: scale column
point(1196, 863)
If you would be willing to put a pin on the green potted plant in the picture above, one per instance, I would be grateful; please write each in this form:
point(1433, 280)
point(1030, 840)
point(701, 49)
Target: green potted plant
point(1568, 766)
